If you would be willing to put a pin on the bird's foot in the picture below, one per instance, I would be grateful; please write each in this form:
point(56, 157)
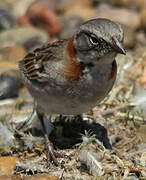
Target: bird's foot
point(50, 153)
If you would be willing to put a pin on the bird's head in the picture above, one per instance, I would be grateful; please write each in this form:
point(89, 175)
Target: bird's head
point(98, 40)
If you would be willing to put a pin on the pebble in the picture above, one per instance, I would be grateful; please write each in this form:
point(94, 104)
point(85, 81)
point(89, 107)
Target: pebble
point(121, 15)
point(6, 136)
point(64, 5)
point(39, 15)
point(143, 159)
point(11, 177)
point(129, 3)
point(8, 4)
point(81, 8)
point(121, 2)
point(41, 177)
point(12, 53)
point(9, 87)
point(140, 66)
point(8, 164)
point(129, 37)
point(141, 132)
point(140, 38)
point(140, 51)
point(7, 21)
point(20, 35)
point(21, 7)
point(143, 18)
point(33, 177)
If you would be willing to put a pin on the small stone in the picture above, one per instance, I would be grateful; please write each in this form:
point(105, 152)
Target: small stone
point(11, 177)
point(6, 137)
point(64, 5)
point(20, 7)
point(9, 87)
point(121, 2)
point(140, 51)
point(91, 158)
point(140, 38)
point(18, 36)
point(7, 165)
point(7, 21)
point(39, 15)
point(121, 15)
point(138, 69)
point(140, 4)
point(143, 17)
point(142, 133)
point(41, 177)
point(84, 12)
point(82, 8)
point(7, 65)
point(8, 4)
point(12, 53)
point(143, 159)
point(129, 37)
point(129, 3)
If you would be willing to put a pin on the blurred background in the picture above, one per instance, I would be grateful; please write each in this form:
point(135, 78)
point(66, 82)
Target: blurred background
point(26, 25)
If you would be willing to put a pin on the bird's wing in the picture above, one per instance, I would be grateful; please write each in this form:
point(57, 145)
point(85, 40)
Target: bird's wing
point(33, 64)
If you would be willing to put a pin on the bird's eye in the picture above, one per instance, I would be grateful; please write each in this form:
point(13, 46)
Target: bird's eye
point(94, 40)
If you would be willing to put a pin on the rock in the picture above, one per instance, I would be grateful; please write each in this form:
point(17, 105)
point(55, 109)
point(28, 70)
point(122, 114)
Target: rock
point(91, 159)
point(7, 65)
point(18, 36)
point(7, 164)
point(143, 18)
point(130, 3)
point(13, 53)
point(140, 4)
point(6, 138)
point(41, 177)
point(7, 21)
point(121, 2)
point(21, 7)
point(139, 99)
point(81, 8)
point(140, 66)
point(85, 13)
point(143, 158)
point(129, 37)
point(34, 177)
point(139, 52)
point(141, 38)
point(64, 5)
point(125, 64)
point(122, 15)
point(11, 177)
point(40, 14)
point(8, 4)
point(141, 132)
point(9, 86)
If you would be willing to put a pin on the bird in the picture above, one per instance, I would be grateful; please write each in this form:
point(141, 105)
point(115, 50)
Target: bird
point(72, 76)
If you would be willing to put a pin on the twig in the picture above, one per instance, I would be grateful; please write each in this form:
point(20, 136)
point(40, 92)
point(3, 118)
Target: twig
point(115, 109)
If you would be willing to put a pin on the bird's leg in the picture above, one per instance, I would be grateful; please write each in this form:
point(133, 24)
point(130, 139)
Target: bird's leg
point(49, 146)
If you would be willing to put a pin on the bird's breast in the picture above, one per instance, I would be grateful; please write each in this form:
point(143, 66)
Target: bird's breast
point(76, 97)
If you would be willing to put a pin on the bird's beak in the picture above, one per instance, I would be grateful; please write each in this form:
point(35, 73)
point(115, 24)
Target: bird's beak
point(118, 46)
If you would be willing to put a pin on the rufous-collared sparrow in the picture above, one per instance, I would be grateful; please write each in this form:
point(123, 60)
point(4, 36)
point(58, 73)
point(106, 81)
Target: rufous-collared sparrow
point(72, 76)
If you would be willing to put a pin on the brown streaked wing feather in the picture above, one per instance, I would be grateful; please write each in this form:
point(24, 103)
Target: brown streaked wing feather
point(33, 63)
